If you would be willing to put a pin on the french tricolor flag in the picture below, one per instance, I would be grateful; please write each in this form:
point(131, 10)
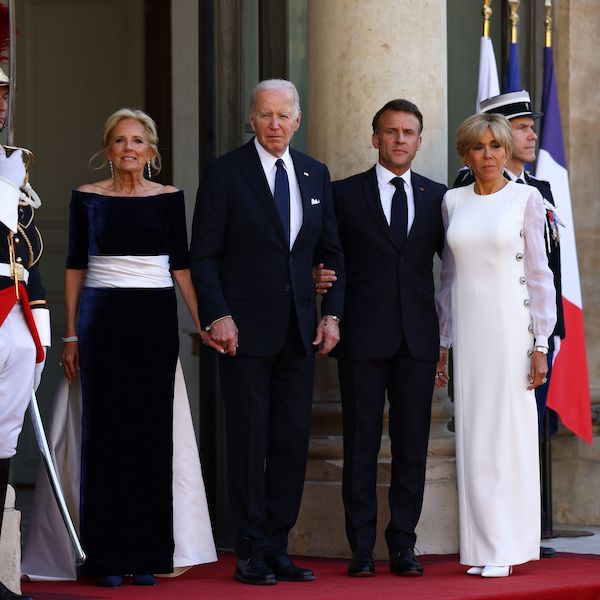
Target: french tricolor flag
point(569, 393)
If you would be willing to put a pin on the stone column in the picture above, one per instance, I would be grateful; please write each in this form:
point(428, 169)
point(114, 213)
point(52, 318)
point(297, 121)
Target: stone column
point(362, 53)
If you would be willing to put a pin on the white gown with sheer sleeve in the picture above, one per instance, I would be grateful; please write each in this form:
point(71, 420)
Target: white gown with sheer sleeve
point(497, 296)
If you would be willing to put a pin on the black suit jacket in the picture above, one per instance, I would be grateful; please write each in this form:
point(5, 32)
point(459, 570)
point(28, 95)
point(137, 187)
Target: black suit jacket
point(465, 177)
point(240, 260)
point(389, 290)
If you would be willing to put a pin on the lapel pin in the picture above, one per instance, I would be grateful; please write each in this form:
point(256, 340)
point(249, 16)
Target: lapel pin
point(306, 174)
point(314, 201)
point(421, 188)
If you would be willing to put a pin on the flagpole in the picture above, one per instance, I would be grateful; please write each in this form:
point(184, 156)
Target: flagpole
point(514, 20)
point(487, 85)
point(546, 453)
point(546, 437)
point(548, 24)
point(512, 80)
point(486, 13)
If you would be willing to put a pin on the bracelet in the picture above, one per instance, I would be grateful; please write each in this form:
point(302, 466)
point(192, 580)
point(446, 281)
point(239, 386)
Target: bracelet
point(209, 327)
point(70, 338)
point(542, 349)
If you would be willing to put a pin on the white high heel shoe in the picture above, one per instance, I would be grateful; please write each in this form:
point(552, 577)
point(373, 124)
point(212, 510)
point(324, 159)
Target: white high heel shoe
point(475, 571)
point(492, 571)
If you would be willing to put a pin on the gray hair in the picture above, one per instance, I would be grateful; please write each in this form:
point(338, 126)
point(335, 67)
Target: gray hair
point(275, 84)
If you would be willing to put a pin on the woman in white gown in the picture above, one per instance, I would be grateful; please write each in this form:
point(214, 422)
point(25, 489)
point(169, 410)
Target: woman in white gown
point(497, 308)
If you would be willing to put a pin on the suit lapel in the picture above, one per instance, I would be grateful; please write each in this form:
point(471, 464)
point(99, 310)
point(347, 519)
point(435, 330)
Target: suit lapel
point(371, 191)
point(419, 195)
point(257, 181)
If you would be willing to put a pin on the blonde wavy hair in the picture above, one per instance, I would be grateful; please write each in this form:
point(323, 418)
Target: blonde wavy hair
point(145, 120)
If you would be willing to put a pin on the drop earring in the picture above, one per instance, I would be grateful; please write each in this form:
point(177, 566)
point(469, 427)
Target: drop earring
point(112, 170)
point(149, 171)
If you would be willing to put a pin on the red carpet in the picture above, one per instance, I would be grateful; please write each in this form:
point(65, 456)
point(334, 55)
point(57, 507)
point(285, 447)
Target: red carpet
point(567, 577)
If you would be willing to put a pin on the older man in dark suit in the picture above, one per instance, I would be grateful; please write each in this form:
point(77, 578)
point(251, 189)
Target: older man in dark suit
point(390, 226)
point(264, 214)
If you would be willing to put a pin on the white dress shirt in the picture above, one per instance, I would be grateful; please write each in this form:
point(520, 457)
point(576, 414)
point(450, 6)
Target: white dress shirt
point(387, 189)
point(267, 160)
point(514, 177)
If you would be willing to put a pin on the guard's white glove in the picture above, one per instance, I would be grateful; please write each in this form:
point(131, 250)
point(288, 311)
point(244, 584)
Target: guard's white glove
point(12, 168)
point(39, 367)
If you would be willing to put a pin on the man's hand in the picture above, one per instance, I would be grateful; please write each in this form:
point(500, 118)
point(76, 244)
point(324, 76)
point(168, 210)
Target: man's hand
point(224, 334)
point(323, 278)
point(441, 375)
point(328, 335)
point(12, 167)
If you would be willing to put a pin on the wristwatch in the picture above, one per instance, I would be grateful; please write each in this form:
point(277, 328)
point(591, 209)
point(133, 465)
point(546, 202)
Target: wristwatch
point(542, 349)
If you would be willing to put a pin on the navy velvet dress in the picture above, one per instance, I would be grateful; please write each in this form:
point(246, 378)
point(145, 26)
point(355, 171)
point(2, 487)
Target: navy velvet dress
point(128, 340)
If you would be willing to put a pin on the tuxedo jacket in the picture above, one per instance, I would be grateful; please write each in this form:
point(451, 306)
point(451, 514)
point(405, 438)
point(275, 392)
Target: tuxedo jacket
point(389, 289)
point(241, 262)
point(465, 177)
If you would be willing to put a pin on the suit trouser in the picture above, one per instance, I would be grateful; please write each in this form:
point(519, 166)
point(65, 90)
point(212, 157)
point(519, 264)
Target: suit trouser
point(17, 370)
point(267, 405)
point(409, 386)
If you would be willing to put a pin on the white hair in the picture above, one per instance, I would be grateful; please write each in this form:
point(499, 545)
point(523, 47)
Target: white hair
point(275, 84)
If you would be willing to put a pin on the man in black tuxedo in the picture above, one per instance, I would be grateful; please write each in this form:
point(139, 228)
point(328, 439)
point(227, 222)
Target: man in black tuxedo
point(391, 226)
point(264, 214)
point(516, 107)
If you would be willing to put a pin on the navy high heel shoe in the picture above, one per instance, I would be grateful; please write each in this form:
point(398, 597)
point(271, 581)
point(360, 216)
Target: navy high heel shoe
point(110, 581)
point(144, 580)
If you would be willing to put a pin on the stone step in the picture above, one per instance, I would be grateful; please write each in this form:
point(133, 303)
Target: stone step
point(328, 470)
point(331, 446)
point(320, 529)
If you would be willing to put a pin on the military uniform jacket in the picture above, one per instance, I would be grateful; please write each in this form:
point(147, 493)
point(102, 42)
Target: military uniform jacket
point(28, 246)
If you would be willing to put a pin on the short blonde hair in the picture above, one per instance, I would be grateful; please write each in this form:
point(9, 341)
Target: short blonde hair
point(473, 128)
point(145, 120)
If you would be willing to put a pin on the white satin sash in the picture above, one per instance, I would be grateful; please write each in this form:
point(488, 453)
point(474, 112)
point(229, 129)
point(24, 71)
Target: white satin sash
point(128, 272)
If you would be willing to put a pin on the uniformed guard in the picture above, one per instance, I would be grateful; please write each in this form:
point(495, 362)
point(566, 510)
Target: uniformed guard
point(516, 107)
point(24, 318)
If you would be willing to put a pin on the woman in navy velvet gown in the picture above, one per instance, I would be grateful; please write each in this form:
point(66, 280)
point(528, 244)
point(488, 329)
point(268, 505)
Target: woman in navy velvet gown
point(127, 243)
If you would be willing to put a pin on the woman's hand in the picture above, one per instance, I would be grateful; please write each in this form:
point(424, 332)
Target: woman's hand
point(441, 375)
point(208, 341)
point(70, 360)
point(538, 369)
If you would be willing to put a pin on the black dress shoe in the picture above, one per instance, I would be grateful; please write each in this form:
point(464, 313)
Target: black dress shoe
point(362, 564)
point(286, 570)
point(6, 594)
point(547, 552)
point(403, 562)
point(254, 570)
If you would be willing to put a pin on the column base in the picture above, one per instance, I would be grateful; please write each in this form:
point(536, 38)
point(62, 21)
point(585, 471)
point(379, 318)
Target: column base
point(10, 544)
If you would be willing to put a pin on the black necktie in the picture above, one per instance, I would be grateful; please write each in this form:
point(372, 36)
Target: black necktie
point(519, 180)
point(399, 214)
point(282, 197)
